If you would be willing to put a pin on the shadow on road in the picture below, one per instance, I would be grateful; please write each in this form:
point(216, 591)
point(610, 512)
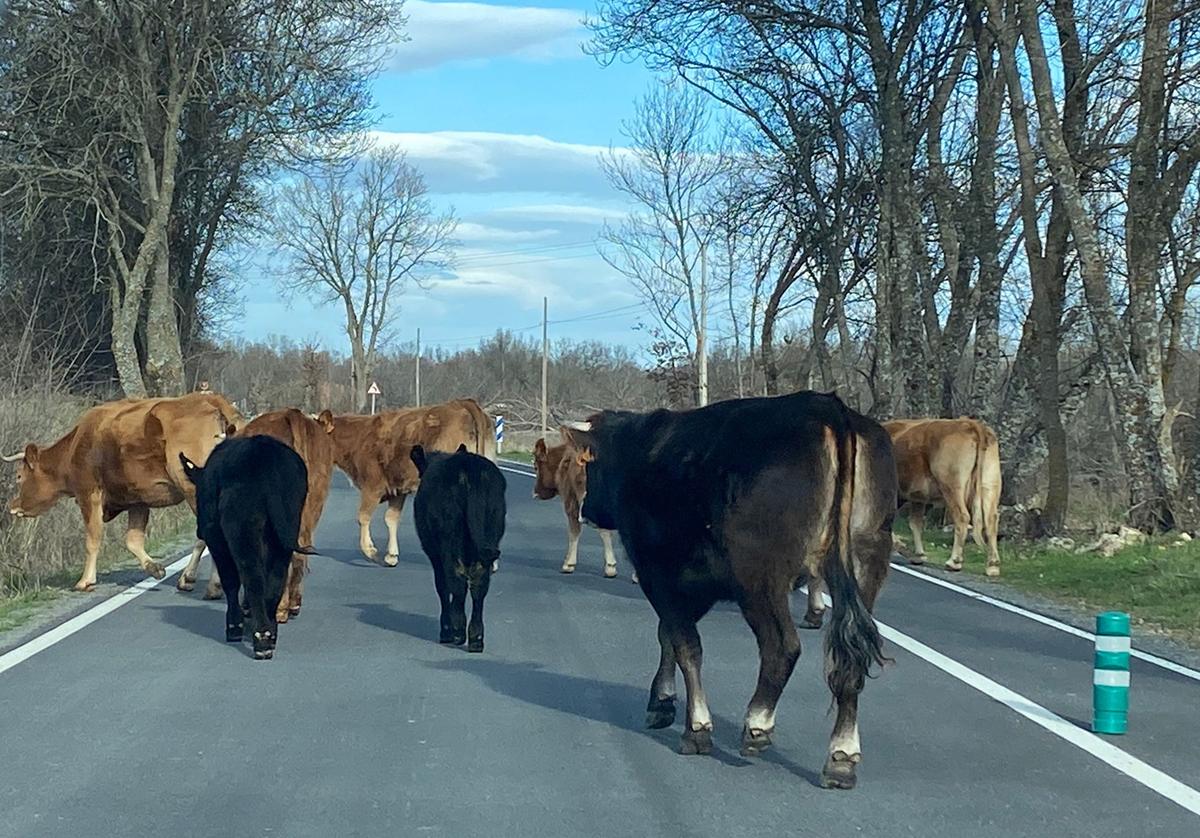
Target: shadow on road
point(613, 704)
point(203, 620)
point(421, 626)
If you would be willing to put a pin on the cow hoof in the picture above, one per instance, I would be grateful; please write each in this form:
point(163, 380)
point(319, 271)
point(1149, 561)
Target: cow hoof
point(185, 584)
point(85, 587)
point(213, 593)
point(813, 619)
point(660, 713)
point(496, 566)
point(754, 742)
point(458, 639)
point(294, 610)
point(610, 572)
point(281, 616)
point(993, 570)
point(695, 742)
point(954, 567)
point(391, 559)
point(838, 772)
point(156, 570)
point(233, 634)
point(475, 646)
point(264, 654)
point(567, 568)
point(918, 559)
point(446, 638)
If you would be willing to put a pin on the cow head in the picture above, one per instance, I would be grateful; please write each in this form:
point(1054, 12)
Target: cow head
point(600, 464)
point(417, 455)
point(545, 466)
point(325, 420)
point(38, 488)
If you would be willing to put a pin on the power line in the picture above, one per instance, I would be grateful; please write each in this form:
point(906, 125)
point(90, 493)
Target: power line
point(547, 248)
point(606, 314)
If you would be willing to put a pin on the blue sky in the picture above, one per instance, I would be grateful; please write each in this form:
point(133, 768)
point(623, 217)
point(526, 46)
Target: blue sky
point(505, 116)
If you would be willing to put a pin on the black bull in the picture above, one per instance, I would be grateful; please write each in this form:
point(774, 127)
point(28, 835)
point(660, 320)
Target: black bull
point(737, 501)
point(249, 497)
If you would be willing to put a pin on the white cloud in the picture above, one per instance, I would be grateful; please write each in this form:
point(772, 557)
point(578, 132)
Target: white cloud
point(441, 33)
point(562, 213)
point(484, 161)
point(470, 231)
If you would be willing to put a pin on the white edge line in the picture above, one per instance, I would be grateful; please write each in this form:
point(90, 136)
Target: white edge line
point(1152, 778)
point(80, 621)
point(1170, 665)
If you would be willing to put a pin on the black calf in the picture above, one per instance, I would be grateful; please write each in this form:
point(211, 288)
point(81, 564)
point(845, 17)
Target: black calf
point(459, 512)
point(249, 496)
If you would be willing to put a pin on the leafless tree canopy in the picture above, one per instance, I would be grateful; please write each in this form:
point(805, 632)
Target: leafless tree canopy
point(358, 237)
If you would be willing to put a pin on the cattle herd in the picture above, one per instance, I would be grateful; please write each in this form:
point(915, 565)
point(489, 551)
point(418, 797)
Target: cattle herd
point(744, 501)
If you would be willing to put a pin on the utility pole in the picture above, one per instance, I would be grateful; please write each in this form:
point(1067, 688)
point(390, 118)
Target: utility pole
point(418, 366)
point(701, 335)
point(545, 365)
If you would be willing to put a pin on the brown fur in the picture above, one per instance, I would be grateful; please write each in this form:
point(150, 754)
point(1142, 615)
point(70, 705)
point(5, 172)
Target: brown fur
point(953, 463)
point(374, 453)
point(312, 440)
point(123, 456)
point(561, 473)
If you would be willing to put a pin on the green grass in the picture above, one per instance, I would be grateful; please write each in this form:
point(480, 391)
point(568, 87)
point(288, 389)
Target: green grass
point(18, 610)
point(518, 456)
point(1158, 582)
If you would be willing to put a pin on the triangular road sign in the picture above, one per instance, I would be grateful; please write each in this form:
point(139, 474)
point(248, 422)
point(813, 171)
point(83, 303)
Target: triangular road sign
point(374, 390)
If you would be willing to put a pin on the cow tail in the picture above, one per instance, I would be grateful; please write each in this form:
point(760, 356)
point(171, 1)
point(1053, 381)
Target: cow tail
point(482, 522)
point(978, 519)
point(852, 643)
point(284, 525)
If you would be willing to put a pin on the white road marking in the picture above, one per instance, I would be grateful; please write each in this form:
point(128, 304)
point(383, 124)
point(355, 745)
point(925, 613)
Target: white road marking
point(80, 621)
point(1170, 665)
point(1129, 765)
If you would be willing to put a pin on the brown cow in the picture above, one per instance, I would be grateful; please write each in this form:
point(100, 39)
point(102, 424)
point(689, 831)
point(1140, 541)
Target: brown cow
point(955, 463)
point(561, 471)
point(374, 453)
point(310, 438)
point(123, 456)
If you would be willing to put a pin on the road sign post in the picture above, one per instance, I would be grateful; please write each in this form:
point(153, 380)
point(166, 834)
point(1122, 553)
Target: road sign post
point(499, 434)
point(373, 391)
point(1110, 678)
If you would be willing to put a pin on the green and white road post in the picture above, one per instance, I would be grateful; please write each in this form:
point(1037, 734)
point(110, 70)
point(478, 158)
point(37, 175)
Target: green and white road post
point(1110, 679)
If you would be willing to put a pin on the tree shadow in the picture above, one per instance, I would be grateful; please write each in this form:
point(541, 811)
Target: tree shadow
point(419, 626)
point(601, 701)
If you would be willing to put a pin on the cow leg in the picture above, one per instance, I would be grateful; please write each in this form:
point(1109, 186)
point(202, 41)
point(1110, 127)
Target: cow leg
point(289, 598)
point(916, 522)
point(814, 615)
point(845, 752)
point(962, 519)
point(235, 626)
point(446, 621)
point(392, 519)
point(262, 613)
point(93, 529)
point(457, 583)
point(187, 579)
point(213, 591)
point(574, 528)
point(366, 506)
point(610, 559)
point(697, 735)
point(135, 540)
point(479, 582)
point(660, 711)
point(778, 651)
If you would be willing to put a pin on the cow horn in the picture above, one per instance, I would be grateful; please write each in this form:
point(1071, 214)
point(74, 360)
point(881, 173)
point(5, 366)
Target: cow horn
point(578, 426)
point(12, 458)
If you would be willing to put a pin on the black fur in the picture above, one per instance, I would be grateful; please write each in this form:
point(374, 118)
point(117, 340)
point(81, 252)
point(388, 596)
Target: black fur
point(249, 496)
point(459, 513)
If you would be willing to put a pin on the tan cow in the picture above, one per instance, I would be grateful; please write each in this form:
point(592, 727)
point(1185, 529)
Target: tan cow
point(123, 456)
point(373, 451)
point(310, 438)
point(954, 463)
point(561, 471)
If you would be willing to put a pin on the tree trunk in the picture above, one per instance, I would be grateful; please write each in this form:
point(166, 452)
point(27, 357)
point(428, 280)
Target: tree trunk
point(1150, 502)
point(164, 358)
point(125, 315)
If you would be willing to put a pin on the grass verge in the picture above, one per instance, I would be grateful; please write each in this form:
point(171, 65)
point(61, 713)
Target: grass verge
point(1157, 583)
point(518, 456)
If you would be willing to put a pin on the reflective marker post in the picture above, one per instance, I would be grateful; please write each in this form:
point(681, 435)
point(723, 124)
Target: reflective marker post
point(499, 434)
point(1110, 679)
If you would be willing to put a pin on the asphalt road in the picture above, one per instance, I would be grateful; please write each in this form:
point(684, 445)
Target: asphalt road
point(147, 724)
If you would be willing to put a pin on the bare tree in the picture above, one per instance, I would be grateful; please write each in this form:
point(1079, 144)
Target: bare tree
point(673, 171)
point(358, 237)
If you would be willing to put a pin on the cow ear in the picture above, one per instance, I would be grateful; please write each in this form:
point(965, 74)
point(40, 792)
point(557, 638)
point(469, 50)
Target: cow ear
point(462, 448)
point(539, 449)
point(32, 454)
point(417, 455)
point(585, 456)
point(325, 418)
point(230, 430)
point(192, 470)
point(577, 437)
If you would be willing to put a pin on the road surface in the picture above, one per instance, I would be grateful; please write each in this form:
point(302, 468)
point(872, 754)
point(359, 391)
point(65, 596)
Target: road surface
point(146, 723)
